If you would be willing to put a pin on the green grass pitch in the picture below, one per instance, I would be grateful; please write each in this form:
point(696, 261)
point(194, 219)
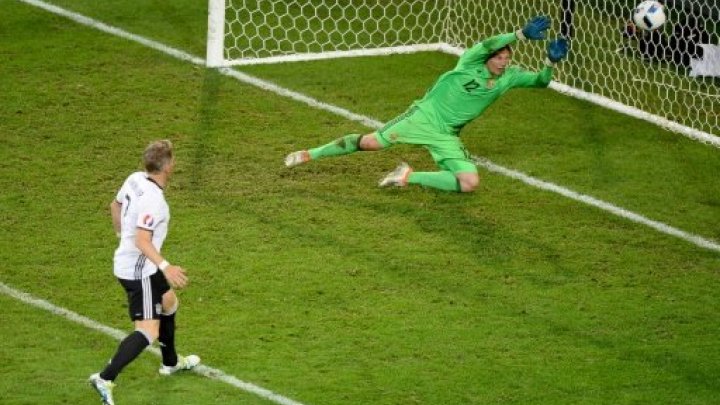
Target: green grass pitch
point(312, 282)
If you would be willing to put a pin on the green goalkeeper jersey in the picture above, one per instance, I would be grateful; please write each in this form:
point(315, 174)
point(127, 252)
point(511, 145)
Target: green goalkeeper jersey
point(462, 94)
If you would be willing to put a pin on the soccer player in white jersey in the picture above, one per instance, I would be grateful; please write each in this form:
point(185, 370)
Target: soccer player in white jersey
point(140, 216)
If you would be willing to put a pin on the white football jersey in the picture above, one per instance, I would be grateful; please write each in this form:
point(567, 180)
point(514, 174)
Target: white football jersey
point(143, 206)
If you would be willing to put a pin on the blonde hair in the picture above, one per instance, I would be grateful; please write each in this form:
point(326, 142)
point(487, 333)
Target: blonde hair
point(157, 155)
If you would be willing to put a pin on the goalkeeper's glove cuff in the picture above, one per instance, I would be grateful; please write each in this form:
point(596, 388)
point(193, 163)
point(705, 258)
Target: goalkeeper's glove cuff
point(519, 34)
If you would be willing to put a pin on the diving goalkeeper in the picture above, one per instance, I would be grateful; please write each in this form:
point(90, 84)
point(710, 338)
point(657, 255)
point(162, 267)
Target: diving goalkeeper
point(480, 77)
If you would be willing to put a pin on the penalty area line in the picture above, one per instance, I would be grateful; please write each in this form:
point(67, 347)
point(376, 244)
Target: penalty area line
point(203, 370)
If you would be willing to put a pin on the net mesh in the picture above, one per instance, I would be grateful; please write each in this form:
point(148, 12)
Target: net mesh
point(651, 71)
point(263, 28)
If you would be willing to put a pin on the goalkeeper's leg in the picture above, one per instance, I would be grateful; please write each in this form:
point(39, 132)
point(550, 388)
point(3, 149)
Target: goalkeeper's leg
point(444, 180)
point(458, 173)
point(345, 145)
point(463, 171)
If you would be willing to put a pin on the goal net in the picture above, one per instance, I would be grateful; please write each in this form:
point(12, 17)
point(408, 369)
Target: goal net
point(670, 76)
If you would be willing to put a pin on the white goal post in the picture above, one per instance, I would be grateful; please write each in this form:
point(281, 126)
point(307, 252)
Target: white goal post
point(665, 77)
point(246, 32)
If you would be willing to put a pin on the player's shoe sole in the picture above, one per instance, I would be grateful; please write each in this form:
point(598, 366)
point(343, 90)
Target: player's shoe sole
point(397, 177)
point(103, 387)
point(184, 363)
point(297, 158)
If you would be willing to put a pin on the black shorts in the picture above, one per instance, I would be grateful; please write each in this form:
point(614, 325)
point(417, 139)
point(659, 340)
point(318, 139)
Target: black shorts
point(145, 296)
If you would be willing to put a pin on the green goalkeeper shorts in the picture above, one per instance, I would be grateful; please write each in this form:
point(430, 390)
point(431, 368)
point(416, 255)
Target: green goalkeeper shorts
point(413, 128)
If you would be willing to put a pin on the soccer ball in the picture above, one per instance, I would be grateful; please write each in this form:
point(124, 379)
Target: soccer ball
point(649, 15)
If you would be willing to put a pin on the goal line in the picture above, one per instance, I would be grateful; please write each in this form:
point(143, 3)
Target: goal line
point(610, 64)
point(372, 123)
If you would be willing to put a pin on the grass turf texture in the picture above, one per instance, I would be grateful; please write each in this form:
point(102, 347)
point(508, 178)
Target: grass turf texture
point(317, 285)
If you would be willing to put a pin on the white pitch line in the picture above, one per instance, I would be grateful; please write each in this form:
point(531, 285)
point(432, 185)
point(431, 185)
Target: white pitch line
point(621, 212)
point(99, 25)
point(367, 121)
point(482, 162)
point(373, 123)
point(203, 370)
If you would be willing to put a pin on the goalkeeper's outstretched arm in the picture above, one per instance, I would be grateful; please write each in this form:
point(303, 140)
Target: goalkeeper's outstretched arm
point(556, 51)
point(533, 79)
point(478, 54)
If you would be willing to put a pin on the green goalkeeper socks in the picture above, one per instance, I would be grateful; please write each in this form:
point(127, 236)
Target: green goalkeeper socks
point(444, 180)
point(347, 144)
point(341, 146)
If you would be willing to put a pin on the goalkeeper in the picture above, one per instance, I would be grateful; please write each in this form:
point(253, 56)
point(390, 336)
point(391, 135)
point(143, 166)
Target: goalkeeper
point(480, 77)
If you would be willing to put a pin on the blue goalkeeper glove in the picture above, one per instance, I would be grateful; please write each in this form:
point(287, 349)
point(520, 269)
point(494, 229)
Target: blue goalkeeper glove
point(557, 50)
point(536, 27)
